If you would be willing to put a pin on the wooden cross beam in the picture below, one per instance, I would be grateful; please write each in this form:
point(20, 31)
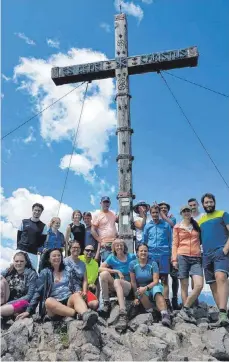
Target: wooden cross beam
point(120, 68)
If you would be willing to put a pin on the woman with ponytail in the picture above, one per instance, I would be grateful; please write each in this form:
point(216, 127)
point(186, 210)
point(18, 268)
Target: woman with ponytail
point(186, 257)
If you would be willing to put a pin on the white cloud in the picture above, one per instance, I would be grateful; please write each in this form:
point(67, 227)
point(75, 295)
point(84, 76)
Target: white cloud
point(130, 9)
point(80, 164)
point(19, 206)
point(59, 121)
point(147, 1)
point(5, 77)
point(24, 37)
point(52, 43)
point(33, 189)
point(105, 27)
point(92, 200)
point(30, 137)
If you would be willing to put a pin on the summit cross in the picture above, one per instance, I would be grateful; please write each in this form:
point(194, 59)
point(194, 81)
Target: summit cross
point(120, 68)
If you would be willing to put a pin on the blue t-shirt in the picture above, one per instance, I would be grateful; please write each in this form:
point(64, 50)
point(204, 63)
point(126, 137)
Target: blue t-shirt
point(60, 290)
point(143, 275)
point(89, 239)
point(123, 266)
point(79, 269)
point(214, 233)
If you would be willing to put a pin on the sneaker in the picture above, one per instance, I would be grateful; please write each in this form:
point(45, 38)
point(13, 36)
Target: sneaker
point(175, 304)
point(105, 311)
point(166, 320)
point(223, 321)
point(122, 321)
point(186, 315)
point(89, 319)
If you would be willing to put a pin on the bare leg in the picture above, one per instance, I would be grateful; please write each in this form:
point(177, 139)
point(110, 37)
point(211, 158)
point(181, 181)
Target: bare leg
point(160, 302)
point(184, 289)
point(198, 283)
point(164, 281)
point(94, 304)
point(106, 282)
point(6, 310)
point(54, 307)
point(222, 289)
point(146, 302)
point(5, 290)
point(77, 303)
point(121, 287)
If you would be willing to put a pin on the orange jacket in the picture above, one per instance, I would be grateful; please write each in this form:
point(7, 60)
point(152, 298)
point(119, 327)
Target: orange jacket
point(185, 242)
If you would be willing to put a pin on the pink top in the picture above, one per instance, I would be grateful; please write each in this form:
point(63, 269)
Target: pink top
point(186, 241)
point(105, 225)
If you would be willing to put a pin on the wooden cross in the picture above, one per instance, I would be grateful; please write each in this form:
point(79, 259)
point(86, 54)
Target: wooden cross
point(120, 68)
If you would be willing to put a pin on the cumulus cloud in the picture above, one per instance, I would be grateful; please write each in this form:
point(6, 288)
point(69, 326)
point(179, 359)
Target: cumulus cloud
point(7, 79)
point(105, 27)
point(19, 206)
point(92, 200)
point(52, 43)
point(25, 38)
point(80, 164)
point(58, 122)
point(30, 137)
point(130, 9)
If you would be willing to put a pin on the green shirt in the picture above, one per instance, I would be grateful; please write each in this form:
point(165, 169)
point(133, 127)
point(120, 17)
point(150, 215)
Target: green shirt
point(92, 269)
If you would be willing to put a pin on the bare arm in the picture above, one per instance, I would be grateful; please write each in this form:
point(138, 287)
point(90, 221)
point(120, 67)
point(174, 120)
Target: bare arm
point(167, 219)
point(139, 224)
point(95, 234)
point(105, 267)
point(97, 255)
point(155, 281)
point(226, 246)
point(133, 281)
point(85, 283)
point(67, 234)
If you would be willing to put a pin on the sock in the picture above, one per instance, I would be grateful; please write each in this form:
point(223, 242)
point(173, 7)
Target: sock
point(164, 312)
point(223, 310)
point(149, 310)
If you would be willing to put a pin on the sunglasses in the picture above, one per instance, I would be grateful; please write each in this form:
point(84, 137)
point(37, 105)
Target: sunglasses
point(89, 251)
point(186, 210)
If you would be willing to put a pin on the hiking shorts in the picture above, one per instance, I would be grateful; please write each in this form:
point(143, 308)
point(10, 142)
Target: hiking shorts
point(163, 262)
point(214, 262)
point(189, 266)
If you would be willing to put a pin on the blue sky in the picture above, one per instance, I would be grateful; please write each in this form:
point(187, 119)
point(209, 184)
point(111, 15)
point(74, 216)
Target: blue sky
point(169, 162)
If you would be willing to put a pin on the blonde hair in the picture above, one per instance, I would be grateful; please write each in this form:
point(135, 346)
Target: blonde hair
point(119, 241)
point(53, 219)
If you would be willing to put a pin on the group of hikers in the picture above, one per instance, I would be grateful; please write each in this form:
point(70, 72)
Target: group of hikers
point(76, 274)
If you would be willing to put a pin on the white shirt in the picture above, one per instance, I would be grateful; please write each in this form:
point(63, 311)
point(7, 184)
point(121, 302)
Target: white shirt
point(139, 232)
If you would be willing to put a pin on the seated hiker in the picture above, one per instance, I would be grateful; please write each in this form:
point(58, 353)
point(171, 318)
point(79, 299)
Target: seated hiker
point(54, 239)
point(58, 291)
point(73, 261)
point(144, 274)
point(92, 267)
point(17, 285)
point(186, 257)
point(114, 276)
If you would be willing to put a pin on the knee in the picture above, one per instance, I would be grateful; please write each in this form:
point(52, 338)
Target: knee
point(221, 277)
point(94, 304)
point(104, 275)
point(49, 303)
point(199, 286)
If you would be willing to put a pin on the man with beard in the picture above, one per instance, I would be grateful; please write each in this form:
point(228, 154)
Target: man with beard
point(171, 220)
point(214, 227)
point(194, 205)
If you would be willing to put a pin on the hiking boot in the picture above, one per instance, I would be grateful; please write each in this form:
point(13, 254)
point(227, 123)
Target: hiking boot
point(156, 316)
point(196, 303)
point(166, 320)
point(169, 307)
point(105, 311)
point(133, 311)
point(122, 321)
point(223, 321)
point(89, 319)
point(175, 304)
point(187, 316)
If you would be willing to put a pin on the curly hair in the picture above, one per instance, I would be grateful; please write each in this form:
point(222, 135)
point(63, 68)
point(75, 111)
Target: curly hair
point(45, 260)
point(119, 241)
point(53, 219)
point(28, 264)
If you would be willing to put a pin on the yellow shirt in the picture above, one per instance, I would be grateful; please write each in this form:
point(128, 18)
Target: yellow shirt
point(92, 269)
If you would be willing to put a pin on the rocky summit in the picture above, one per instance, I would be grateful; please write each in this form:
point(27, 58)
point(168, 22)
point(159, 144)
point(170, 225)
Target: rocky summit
point(144, 340)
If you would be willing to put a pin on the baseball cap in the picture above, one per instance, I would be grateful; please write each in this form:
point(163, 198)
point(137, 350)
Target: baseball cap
point(105, 198)
point(185, 207)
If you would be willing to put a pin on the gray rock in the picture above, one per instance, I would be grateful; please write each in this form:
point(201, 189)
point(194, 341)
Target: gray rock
point(122, 354)
point(186, 328)
point(140, 319)
point(79, 337)
point(90, 357)
point(32, 355)
point(213, 314)
point(3, 346)
point(201, 321)
point(188, 354)
point(167, 335)
point(67, 355)
point(201, 311)
point(216, 342)
point(113, 316)
point(47, 356)
point(203, 327)
point(143, 329)
point(7, 357)
point(89, 348)
point(46, 337)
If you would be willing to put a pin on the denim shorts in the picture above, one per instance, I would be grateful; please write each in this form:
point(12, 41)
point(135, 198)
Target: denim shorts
point(213, 262)
point(189, 266)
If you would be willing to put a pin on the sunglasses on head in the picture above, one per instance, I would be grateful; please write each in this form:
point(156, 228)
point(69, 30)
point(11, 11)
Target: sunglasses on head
point(89, 251)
